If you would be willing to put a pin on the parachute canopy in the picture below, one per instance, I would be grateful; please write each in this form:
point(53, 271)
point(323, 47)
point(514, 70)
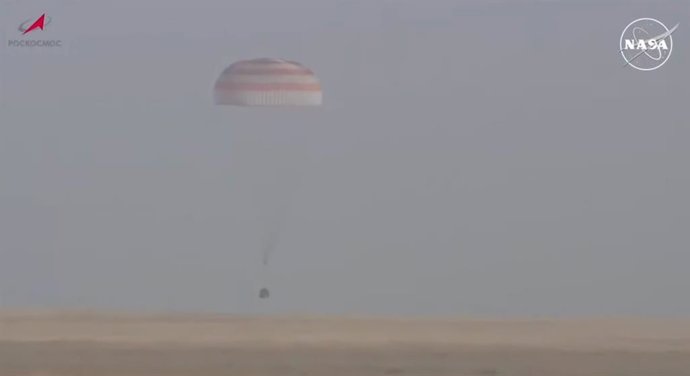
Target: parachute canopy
point(267, 82)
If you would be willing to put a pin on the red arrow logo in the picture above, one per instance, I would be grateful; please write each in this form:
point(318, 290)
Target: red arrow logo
point(38, 24)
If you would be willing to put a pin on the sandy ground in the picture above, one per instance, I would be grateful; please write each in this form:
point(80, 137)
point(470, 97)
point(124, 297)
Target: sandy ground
point(75, 344)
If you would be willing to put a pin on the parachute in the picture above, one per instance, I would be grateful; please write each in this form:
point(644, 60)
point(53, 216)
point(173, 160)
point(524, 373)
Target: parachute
point(268, 82)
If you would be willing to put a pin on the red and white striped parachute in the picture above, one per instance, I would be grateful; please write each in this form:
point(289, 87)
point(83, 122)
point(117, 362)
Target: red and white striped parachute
point(267, 82)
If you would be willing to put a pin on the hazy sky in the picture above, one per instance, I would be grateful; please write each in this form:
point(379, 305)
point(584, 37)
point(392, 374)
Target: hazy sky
point(472, 158)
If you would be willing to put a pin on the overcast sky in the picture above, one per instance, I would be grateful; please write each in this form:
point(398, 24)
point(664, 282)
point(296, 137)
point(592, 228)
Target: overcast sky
point(471, 158)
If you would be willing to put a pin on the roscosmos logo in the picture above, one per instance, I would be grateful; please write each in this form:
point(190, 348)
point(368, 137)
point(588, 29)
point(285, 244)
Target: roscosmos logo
point(27, 29)
point(30, 25)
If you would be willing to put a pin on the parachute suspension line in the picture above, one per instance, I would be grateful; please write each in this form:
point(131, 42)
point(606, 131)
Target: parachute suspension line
point(288, 183)
point(280, 213)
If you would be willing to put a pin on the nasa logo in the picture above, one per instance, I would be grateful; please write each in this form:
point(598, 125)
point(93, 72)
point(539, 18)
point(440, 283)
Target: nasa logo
point(646, 44)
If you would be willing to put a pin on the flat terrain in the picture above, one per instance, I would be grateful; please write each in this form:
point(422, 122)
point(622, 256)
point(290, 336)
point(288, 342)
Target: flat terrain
point(86, 344)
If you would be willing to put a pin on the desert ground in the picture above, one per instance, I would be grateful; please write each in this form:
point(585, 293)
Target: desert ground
point(97, 344)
